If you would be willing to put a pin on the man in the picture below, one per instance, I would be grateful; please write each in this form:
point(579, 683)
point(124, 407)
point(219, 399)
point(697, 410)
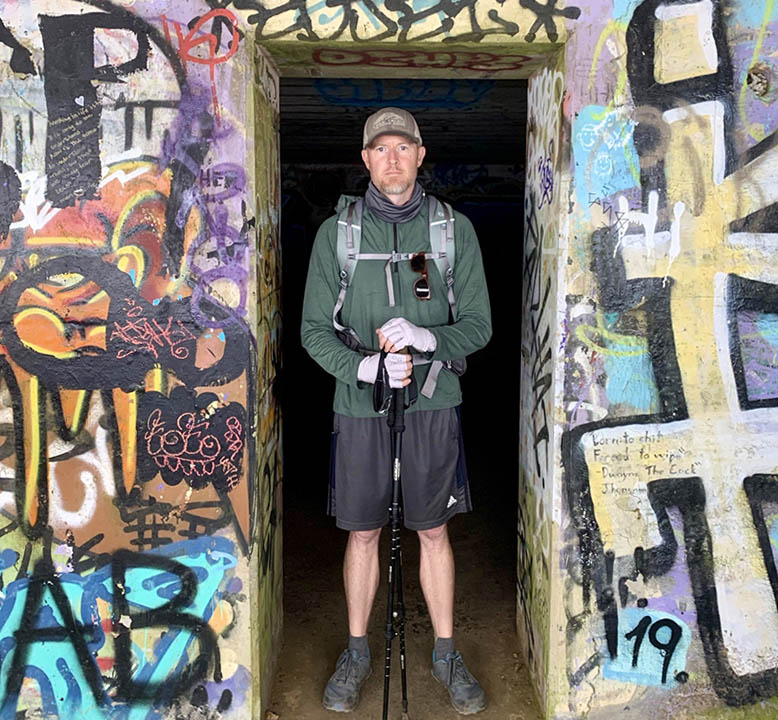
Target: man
point(403, 307)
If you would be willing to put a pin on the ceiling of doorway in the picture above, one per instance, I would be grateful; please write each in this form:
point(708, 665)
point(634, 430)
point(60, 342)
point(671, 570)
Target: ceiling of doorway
point(461, 121)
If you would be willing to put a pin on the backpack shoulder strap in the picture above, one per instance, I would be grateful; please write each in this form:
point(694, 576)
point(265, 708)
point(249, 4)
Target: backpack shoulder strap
point(443, 252)
point(443, 246)
point(349, 239)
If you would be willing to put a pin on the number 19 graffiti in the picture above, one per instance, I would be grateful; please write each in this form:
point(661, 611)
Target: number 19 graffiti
point(663, 657)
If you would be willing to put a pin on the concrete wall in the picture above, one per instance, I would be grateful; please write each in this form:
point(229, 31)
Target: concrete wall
point(139, 300)
point(544, 196)
point(139, 509)
point(665, 525)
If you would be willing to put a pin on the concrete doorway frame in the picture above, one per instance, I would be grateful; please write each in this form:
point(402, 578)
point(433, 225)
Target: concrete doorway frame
point(276, 59)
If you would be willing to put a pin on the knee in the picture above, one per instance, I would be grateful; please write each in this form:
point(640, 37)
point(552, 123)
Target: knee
point(434, 537)
point(364, 539)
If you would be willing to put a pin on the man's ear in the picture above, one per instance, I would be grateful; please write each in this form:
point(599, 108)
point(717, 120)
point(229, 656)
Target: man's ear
point(422, 153)
point(365, 159)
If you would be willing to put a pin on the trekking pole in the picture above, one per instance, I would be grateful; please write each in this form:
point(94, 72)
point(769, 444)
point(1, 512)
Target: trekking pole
point(395, 618)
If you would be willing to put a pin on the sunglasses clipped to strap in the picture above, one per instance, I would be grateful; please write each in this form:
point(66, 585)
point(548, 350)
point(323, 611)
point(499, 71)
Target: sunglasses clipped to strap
point(421, 288)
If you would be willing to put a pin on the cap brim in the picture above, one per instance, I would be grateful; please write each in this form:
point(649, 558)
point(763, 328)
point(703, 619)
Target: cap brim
point(392, 131)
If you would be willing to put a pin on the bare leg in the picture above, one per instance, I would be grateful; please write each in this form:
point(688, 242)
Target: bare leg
point(360, 578)
point(436, 573)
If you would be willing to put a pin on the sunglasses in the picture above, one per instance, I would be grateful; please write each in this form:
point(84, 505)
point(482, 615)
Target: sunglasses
point(421, 287)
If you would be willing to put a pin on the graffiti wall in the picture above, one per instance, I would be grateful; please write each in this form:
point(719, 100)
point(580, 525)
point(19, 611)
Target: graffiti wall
point(139, 471)
point(472, 38)
point(538, 352)
point(668, 529)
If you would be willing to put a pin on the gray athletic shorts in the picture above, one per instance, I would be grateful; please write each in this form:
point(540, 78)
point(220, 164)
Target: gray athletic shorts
point(433, 475)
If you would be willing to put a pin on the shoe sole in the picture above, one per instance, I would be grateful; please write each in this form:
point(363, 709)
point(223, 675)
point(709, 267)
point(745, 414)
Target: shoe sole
point(338, 706)
point(460, 710)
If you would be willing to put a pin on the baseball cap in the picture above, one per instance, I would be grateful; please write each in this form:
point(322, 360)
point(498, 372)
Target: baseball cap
point(390, 121)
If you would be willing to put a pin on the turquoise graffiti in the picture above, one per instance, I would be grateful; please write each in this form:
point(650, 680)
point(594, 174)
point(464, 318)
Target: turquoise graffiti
point(606, 161)
point(630, 375)
point(43, 638)
point(652, 649)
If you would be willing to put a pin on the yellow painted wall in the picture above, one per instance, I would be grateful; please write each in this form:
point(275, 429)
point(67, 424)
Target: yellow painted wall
point(668, 467)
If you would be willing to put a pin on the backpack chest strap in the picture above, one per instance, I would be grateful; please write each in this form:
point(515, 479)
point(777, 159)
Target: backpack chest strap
point(392, 259)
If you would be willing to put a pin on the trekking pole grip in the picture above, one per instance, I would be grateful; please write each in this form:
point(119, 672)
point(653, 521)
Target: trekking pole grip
point(397, 410)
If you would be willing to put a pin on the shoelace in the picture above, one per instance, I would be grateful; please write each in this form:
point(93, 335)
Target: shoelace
point(458, 671)
point(346, 667)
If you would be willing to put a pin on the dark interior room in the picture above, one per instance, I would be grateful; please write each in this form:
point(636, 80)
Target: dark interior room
point(474, 133)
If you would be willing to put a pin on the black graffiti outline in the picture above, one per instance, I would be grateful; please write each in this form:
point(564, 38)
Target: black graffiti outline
point(744, 294)
point(92, 372)
point(408, 17)
point(646, 91)
point(45, 577)
point(686, 494)
point(21, 58)
point(168, 615)
point(761, 489)
point(541, 352)
point(545, 15)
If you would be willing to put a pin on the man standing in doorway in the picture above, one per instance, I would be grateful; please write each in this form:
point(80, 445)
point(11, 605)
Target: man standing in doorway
point(396, 298)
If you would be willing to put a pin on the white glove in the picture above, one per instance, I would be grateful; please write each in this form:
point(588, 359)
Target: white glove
point(398, 368)
point(401, 333)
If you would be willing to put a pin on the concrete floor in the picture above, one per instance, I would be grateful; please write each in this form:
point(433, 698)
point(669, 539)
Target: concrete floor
point(315, 620)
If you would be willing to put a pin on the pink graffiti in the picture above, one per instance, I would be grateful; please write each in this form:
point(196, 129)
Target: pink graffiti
point(143, 335)
point(192, 448)
point(233, 436)
point(231, 472)
point(186, 448)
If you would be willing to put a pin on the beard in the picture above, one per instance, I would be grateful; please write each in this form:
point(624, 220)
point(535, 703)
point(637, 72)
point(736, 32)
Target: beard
point(394, 187)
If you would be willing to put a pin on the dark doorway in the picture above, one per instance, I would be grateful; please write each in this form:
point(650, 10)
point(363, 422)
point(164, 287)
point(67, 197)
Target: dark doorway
point(474, 131)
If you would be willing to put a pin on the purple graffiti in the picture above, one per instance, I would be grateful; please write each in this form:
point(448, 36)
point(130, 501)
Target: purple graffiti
point(546, 175)
point(230, 249)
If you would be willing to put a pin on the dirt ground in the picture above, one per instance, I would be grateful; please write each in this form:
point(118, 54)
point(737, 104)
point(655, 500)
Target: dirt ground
point(315, 627)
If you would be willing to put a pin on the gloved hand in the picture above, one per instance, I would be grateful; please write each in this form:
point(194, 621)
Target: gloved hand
point(398, 368)
point(398, 333)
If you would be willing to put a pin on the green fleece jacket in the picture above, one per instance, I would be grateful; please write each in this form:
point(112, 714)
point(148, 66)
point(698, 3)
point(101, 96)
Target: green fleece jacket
point(366, 306)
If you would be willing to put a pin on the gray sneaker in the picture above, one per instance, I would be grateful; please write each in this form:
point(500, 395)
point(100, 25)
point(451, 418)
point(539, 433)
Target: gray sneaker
point(467, 696)
point(342, 691)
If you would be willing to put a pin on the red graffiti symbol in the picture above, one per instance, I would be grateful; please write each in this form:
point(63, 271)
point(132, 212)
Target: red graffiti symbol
point(197, 37)
point(476, 61)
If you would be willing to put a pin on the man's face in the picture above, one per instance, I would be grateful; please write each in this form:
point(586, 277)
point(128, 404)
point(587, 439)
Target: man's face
point(393, 162)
